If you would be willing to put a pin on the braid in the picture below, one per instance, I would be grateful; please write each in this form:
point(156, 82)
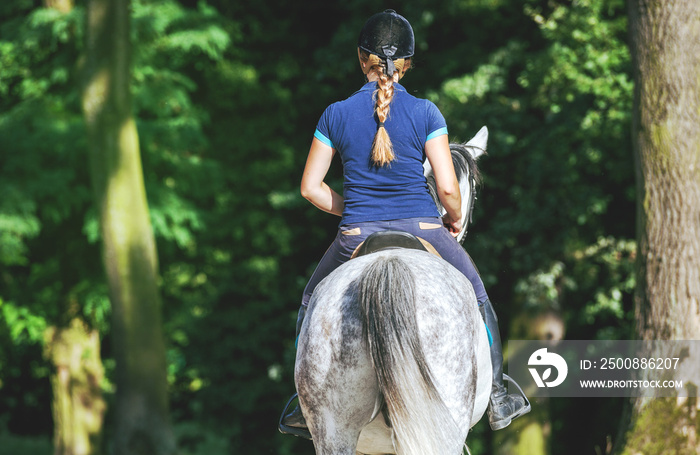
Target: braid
point(382, 149)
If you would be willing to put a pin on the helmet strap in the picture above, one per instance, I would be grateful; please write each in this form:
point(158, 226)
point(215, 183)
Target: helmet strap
point(389, 52)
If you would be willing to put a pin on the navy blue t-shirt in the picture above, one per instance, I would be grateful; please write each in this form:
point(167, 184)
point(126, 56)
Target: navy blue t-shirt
point(395, 191)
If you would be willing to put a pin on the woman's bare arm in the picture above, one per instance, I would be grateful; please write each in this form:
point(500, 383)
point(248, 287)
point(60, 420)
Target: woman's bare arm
point(313, 188)
point(437, 150)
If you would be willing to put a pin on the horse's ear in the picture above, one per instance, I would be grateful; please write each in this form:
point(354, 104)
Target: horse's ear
point(477, 144)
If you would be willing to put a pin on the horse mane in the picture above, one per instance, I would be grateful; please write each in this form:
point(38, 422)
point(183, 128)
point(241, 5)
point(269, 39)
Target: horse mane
point(464, 163)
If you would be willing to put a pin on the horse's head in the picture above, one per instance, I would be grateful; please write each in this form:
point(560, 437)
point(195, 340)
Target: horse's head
point(464, 157)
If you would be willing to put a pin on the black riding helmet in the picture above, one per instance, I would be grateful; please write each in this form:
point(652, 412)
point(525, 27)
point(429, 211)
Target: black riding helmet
point(389, 36)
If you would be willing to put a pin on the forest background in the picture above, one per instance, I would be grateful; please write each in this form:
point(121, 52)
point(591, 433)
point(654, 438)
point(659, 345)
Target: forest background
point(226, 96)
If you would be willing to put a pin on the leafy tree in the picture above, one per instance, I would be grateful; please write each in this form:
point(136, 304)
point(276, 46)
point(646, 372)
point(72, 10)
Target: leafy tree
point(50, 298)
point(142, 424)
point(552, 230)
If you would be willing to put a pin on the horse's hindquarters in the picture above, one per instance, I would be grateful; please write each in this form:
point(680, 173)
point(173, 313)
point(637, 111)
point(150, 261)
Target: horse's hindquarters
point(337, 386)
point(438, 368)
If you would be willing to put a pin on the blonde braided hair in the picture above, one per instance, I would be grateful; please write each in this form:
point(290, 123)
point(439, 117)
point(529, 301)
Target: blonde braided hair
point(382, 149)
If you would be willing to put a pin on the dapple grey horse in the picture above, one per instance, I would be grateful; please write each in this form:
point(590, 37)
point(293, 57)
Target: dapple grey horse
point(393, 356)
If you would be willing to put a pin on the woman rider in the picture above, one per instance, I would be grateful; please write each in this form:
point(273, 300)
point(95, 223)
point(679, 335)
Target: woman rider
point(383, 135)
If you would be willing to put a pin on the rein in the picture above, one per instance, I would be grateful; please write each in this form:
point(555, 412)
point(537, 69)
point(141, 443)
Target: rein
point(472, 200)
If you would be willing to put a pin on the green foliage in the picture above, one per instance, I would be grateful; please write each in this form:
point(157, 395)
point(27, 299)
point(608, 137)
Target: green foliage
point(22, 325)
point(558, 110)
point(11, 444)
point(197, 439)
point(591, 287)
point(44, 262)
point(17, 224)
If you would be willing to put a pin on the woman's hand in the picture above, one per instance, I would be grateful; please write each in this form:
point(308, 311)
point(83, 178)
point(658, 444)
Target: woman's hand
point(455, 227)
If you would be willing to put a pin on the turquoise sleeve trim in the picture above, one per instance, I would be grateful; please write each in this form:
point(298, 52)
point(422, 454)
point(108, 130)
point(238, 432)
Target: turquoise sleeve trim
point(436, 133)
point(319, 135)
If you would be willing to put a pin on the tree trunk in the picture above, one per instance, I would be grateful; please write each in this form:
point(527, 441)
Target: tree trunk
point(666, 51)
point(665, 44)
point(129, 254)
point(78, 405)
point(63, 6)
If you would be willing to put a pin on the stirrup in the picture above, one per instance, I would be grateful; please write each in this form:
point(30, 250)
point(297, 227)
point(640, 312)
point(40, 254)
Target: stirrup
point(527, 408)
point(286, 429)
point(522, 411)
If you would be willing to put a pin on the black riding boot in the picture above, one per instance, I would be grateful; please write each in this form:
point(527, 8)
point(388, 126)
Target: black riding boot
point(294, 422)
point(503, 408)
